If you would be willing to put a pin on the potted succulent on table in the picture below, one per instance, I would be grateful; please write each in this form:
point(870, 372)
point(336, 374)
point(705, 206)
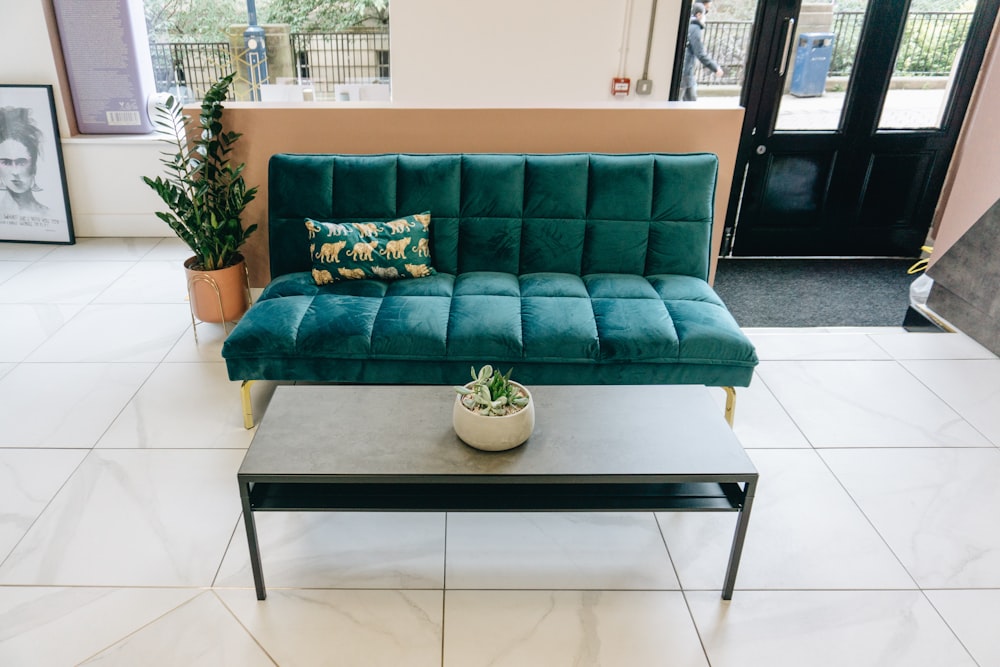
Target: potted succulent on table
point(206, 196)
point(493, 412)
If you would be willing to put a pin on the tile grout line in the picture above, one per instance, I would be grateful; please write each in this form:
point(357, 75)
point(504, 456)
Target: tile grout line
point(943, 399)
point(857, 505)
point(55, 494)
point(919, 588)
point(948, 625)
point(229, 545)
point(683, 591)
point(250, 634)
point(444, 587)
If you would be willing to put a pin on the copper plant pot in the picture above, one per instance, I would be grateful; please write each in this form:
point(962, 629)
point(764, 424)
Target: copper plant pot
point(218, 296)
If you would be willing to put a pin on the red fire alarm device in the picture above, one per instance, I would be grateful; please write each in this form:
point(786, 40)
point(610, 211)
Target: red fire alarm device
point(621, 86)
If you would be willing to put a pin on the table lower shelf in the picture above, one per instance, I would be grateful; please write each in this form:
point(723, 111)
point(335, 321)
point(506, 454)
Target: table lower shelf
point(508, 496)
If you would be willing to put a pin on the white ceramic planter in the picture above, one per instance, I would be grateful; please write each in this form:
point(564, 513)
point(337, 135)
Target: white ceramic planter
point(491, 433)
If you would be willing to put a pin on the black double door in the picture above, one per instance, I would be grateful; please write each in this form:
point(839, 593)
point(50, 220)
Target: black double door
point(855, 172)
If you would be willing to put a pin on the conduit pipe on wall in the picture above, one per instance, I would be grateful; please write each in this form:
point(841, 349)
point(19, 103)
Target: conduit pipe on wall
point(623, 52)
point(620, 84)
point(644, 85)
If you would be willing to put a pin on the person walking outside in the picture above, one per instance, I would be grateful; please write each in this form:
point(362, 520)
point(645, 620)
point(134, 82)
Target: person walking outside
point(696, 50)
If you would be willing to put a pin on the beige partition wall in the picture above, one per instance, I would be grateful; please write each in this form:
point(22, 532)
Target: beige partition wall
point(350, 129)
point(972, 186)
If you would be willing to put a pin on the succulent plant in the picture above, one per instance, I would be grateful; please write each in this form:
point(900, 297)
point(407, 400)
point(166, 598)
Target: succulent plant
point(492, 393)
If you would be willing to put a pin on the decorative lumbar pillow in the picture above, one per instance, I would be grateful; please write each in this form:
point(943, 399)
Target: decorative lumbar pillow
point(381, 250)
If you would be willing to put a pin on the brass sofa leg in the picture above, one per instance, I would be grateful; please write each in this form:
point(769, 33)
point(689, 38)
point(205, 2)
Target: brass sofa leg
point(730, 405)
point(247, 404)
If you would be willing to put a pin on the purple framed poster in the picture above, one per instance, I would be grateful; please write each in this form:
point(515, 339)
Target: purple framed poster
point(34, 205)
point(106, 51)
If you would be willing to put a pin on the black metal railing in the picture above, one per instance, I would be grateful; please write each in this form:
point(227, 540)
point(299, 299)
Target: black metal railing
point(329, 58)
point(188, 69)
point(727, 43)
point(930, 44)
point(846, 35)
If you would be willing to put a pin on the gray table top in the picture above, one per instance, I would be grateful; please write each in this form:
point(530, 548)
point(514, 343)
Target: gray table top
point(600, 432)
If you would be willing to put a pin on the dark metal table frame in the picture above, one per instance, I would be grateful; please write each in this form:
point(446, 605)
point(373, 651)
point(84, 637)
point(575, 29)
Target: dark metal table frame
point(478, 491)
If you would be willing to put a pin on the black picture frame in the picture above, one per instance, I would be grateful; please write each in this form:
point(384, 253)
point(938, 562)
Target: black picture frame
point(34, 201)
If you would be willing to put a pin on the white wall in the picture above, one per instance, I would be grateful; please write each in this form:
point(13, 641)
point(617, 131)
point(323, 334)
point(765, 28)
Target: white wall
point(25, 51)
point(524, 52)
point(445, 53)
point(106, 192)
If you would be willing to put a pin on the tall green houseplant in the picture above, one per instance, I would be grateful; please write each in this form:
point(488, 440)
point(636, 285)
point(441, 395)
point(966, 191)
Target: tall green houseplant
point(205, 193)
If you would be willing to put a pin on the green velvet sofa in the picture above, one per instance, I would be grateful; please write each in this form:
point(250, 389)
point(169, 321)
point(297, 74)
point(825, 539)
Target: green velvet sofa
point(575, 268)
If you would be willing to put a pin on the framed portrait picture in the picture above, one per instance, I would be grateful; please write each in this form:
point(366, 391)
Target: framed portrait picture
point(34, 205)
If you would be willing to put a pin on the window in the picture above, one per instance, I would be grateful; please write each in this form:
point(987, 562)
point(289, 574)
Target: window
point(330, 49)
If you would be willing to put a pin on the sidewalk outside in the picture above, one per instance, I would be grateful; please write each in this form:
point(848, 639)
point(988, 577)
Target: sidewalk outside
point(904, 108)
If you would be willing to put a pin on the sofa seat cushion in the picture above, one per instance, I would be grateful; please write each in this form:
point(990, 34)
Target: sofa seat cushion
point(491, 317)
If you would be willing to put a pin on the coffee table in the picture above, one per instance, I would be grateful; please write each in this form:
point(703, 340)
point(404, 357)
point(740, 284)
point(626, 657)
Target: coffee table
point(594, 448)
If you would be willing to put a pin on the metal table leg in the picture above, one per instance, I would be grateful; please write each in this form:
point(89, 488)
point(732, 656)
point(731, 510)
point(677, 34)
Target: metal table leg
point(738, 539)
point(251, 527)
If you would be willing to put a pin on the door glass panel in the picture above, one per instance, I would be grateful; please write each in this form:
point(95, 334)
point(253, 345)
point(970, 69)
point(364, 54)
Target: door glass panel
point(925, 64)
point(820, 64)
point(729, 28)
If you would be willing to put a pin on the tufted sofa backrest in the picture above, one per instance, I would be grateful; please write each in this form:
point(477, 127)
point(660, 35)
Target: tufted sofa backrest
point(578, 213)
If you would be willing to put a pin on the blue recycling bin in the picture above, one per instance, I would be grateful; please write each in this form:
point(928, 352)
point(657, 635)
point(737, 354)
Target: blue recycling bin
point(813, 54)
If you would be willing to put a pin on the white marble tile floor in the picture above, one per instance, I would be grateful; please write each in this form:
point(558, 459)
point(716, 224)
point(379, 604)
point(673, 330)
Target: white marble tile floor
point(873, 539)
